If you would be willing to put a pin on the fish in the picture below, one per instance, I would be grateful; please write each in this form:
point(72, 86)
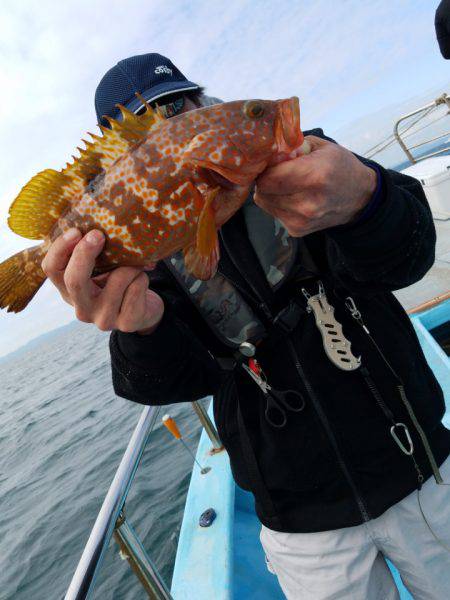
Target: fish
point(153, 186)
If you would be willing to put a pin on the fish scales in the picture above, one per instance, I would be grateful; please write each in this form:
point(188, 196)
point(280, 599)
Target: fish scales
point(153, 187)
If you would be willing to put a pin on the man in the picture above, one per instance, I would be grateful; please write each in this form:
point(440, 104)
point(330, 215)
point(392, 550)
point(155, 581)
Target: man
point(334, 472)
point(442, 27)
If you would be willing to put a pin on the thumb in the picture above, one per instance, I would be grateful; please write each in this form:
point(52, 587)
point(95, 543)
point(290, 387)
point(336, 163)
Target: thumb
point(313, 143)
point(310, 144)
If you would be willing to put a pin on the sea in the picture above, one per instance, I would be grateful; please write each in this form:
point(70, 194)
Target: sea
point(63, 432)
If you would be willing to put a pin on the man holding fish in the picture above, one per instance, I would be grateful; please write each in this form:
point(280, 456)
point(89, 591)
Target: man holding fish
point(351, 425)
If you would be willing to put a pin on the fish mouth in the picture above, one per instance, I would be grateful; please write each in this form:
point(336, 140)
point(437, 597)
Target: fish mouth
point(288, 134)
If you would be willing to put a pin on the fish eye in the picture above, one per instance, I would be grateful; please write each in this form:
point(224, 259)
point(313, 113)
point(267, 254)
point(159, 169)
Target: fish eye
point(254, 109)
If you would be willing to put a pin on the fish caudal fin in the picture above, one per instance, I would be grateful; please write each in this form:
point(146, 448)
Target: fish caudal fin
point(20, 278)
point(201, 259)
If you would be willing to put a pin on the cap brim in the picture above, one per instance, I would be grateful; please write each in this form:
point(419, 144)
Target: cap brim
point(159, 91)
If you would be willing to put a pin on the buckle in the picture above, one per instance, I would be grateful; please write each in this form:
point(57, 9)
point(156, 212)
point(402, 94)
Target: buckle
point(287, 319)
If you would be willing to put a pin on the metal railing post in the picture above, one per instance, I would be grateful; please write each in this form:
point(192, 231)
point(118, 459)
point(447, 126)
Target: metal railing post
point(132, 549)
point(402, 143)
point(83, 580)
point(208, 426)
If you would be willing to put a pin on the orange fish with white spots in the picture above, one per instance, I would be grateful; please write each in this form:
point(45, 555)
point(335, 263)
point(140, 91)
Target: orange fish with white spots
point(153, 186)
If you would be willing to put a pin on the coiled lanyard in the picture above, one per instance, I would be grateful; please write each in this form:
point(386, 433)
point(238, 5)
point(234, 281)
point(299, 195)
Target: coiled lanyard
point(408, 447)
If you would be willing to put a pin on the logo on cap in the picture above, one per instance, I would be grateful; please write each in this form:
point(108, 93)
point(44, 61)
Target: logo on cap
point(163, 69)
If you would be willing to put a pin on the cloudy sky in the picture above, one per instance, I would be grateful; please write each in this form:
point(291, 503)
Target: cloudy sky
point(353, 63)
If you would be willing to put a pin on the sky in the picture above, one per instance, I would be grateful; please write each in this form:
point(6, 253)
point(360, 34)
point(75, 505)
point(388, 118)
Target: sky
point(355, 64)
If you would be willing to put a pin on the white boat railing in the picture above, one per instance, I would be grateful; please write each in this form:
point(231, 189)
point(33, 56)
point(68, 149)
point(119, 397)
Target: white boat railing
point(404, 129)
point(111, 519)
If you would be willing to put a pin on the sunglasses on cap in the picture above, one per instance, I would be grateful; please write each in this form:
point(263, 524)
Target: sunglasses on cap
point(169, 109)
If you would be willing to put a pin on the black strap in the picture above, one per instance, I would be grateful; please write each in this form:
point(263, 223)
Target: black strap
point(288, 318)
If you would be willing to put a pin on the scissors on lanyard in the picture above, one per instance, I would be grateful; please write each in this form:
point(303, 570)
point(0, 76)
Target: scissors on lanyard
point(277, 401)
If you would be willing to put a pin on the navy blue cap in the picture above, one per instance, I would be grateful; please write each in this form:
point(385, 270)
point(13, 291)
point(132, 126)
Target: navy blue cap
point(152, 75)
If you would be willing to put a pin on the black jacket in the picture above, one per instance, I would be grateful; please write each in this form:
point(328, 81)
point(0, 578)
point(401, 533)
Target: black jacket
point(442, 26)
point(335, 463)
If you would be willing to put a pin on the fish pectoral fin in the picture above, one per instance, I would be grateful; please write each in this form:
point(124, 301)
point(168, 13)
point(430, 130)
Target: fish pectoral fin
point(202, 257)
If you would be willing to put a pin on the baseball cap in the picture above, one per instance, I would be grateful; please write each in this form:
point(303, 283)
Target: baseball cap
point(152, 75)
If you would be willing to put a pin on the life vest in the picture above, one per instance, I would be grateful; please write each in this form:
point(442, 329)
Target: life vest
point(220, 303)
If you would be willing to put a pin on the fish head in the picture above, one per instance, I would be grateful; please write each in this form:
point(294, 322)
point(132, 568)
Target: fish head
point(242, 137)
point(265, 128)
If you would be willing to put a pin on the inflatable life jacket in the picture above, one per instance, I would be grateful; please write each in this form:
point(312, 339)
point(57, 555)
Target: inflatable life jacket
point(221, 304)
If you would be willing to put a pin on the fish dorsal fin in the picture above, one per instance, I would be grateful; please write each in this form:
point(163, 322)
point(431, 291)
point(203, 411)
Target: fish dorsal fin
point(50, 193)
point(39, 204)
point(99, 154)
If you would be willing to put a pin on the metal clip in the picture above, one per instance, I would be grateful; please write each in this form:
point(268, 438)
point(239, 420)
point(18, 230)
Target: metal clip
point(307, 296)
point(398, 441)
point(350, 304)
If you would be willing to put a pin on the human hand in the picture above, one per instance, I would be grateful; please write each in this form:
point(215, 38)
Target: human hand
point(322, 189)
point(119, 299)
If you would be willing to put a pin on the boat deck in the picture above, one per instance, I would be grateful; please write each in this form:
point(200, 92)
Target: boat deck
point(437, 281)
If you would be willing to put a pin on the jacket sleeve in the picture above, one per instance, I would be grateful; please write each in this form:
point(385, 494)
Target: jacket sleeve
point(394, 247)
point(170, 365)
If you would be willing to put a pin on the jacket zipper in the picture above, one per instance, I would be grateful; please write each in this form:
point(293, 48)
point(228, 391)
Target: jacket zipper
point(326, 425)
point(318, 408)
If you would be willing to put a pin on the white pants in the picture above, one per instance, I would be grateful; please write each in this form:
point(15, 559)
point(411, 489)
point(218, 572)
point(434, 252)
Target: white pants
point(349, 563)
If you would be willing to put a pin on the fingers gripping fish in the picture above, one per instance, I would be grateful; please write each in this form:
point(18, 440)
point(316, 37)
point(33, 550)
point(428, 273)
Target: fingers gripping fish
point(152, 186)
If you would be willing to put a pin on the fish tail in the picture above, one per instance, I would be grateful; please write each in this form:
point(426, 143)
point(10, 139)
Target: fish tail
point(21, 276)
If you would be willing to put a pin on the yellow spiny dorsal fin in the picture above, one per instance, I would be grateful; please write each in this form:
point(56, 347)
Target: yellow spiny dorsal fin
point(104, 150)
point(50, 193)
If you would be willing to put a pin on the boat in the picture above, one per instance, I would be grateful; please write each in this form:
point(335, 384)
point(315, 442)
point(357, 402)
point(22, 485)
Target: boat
point(219, 555)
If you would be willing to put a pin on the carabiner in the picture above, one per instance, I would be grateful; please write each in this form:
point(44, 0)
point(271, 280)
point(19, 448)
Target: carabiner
point(398, 441)
point(350, 304)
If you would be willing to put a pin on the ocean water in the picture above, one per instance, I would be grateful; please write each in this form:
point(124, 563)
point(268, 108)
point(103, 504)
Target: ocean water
point(62, 435)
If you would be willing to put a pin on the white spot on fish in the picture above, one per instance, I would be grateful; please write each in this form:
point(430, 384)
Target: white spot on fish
point(150, 200)
point(174, 216)
point(121, 232)
point(178, 162)
point(179, 190)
